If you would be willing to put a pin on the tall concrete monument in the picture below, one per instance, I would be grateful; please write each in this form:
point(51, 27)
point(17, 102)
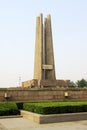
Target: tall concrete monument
point(44, 67)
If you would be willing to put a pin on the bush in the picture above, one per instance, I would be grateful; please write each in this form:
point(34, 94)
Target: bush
point(19, 105)
point(8, 108)
point(55, 107)
point(29, 107)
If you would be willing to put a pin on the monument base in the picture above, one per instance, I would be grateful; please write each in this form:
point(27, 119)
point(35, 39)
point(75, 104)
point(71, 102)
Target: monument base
point(45, 83)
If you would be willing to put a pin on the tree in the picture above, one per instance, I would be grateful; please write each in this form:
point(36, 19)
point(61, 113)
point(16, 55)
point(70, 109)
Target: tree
point(81, 83)
point(72, 84)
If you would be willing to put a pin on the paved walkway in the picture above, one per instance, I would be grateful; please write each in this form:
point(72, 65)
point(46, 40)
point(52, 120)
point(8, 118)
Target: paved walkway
point(2, 127)
point(24, 124)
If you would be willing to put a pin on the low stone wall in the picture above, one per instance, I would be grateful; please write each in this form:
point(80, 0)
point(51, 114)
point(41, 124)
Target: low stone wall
point(19, 94)
point(45, 83)
point(54, 118)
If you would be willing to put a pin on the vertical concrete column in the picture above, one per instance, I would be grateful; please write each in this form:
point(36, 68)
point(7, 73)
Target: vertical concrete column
point(49, 54)
point(44, 68)
point(38, 48)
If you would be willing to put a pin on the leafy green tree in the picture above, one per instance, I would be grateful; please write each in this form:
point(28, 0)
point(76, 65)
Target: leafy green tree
point(72, 84)
point(81, 83)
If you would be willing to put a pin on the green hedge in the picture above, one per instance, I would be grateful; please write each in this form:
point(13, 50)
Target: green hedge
point(8, 108)
point(55, 107)
point(48, 107)
point(19, 105)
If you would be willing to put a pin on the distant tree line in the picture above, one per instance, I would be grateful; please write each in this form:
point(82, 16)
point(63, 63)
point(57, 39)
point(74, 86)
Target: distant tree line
point(80, 84)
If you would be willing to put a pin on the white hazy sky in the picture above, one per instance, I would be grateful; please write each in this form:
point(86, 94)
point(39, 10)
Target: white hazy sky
point(17, 38)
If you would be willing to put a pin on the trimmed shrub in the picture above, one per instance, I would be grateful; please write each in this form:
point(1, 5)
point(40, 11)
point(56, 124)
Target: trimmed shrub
point(29, 107)
point(55, 107)
point(19, 105)
point(8, 108)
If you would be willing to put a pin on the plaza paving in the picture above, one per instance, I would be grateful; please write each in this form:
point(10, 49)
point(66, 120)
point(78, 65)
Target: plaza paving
point(24, 124)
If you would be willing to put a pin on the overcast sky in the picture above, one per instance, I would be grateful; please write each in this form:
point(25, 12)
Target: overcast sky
point(17, 38)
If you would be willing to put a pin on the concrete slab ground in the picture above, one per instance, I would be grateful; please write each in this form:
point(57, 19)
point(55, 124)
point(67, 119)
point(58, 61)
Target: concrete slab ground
point(2, 127)
point(24, 124)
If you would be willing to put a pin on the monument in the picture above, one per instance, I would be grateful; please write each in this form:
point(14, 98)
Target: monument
point(44, 66)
